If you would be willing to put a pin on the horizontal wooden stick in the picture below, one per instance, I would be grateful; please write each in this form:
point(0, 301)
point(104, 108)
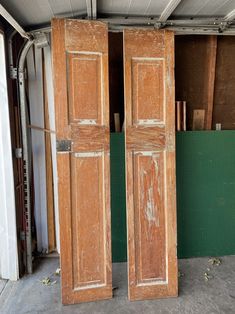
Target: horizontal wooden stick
point(40, 129)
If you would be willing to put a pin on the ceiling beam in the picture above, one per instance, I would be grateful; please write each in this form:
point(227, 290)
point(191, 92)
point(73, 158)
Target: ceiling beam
point(169, 9)
point(146, 21)
point(230, 16)
point(4, 13)
point(227, 21)
point(202, 26)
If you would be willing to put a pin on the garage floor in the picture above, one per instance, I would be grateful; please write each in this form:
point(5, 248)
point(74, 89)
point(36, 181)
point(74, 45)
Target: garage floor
point(217, 295)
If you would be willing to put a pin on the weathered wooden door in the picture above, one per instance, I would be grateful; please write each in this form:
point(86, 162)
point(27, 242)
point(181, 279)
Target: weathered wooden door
point(150, 163)
point(80, 66)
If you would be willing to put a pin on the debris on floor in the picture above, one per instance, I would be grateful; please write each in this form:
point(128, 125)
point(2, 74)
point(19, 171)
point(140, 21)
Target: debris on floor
point(197, 295)
point(50, 279)
point(207, 276)
point(47, 281)
point(214, 261)
point(180, 274)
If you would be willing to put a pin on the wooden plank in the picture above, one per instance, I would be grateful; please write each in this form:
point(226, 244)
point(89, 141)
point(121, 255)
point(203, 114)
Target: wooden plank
point(198, 119)
point(184, 115)
point(49, 172)
point(212, 52)
point(80, 56)
point(35, 127)
point(51, 113)
point(117, 122)
point(150, 163)
point(178, 115)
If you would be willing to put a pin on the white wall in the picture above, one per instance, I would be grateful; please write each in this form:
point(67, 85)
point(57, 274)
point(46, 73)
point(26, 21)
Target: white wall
point(8, 238)
point(36, 104)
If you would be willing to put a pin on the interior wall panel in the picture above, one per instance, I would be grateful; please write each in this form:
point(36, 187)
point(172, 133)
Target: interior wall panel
point(9, 268)
point(224, 95)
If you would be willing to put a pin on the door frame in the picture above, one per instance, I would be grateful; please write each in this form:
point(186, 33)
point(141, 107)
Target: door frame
point(9, 267)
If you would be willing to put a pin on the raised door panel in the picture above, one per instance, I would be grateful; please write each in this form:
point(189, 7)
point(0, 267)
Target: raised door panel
point(87, 225)
point(84, 75)
point(149, 220)
point(150, 164)
point(145, 95)
point(82, 122)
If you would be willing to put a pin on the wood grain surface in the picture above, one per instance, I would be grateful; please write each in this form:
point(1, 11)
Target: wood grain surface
point(80, 66)
point(150, 163)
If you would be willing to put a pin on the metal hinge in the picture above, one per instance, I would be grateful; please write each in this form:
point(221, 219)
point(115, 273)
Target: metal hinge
point(41, 40)
point(63, 145)
point(22, 235)
point(13, 73)
point(18, 153)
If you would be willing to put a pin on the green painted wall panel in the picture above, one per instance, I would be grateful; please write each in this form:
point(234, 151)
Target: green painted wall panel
point(205, 193)
point(205, 163)
point(118, 201)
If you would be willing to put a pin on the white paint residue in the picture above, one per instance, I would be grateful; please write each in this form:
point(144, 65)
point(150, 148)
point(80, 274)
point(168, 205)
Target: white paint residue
point(144, 153)
point(156, 173)
point(87, 121)
point(88, 154)
point(150, 212)
point(148, 122)
point(155, 165)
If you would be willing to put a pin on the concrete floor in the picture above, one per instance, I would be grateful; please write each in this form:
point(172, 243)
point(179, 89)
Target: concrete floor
point(217, 295)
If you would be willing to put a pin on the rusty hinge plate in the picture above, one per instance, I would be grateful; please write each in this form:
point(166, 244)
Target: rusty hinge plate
point(13, 73)
point(22, 235)
point(18, 153)
point(63, 145)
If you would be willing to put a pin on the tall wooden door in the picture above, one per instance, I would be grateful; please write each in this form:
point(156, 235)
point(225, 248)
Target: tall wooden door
point(80, 66)
point(150, 163)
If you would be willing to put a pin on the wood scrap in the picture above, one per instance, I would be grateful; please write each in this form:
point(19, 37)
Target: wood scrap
point(49, 171)
point(117, 122)
point(184, 115)
point(30, 126)
point(218, 126)
point(198, 119)
point(212, 51)
point(180, 115)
